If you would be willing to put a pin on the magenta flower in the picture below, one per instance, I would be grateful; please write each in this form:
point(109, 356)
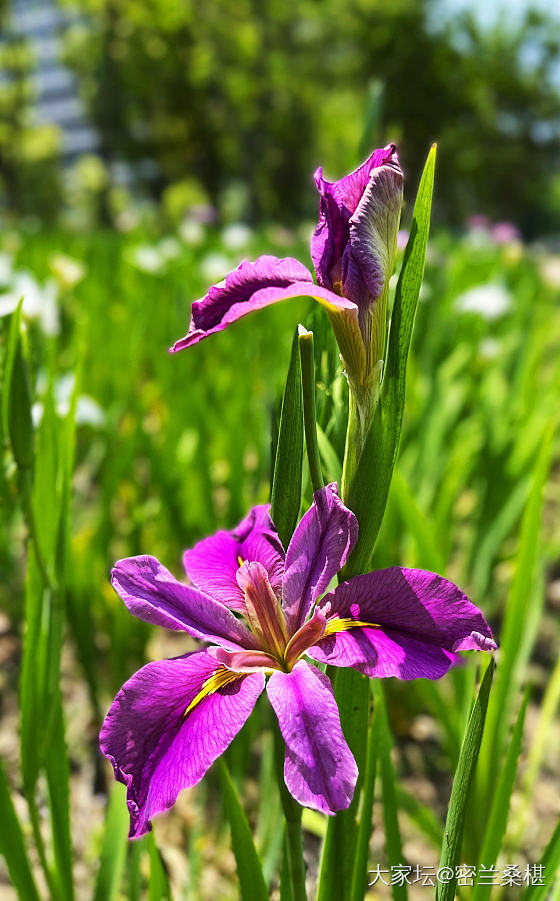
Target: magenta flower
point(263, 610)
point(353, 250)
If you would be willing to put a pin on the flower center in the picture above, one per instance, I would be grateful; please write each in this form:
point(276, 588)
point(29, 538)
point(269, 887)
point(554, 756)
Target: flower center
point(263, 610)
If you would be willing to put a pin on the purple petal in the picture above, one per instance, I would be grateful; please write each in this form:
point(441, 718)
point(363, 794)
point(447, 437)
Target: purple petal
point(319, 768)
point(151, 593)
point(156, 747)
point(250, 287)
point(374, 227)
point(419, 620)
point(339, 201)
point(320, 546)
point(213, 563)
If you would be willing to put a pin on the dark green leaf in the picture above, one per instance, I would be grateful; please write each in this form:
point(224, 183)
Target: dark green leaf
point(286, 481)
point(16, 396)
point(365, 812)
point(453, 837)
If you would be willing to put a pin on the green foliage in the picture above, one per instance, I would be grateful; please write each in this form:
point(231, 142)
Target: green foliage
point(249, 870)
point(454, 824)
point(181, 448)
point(223, 93)
point(285, 498)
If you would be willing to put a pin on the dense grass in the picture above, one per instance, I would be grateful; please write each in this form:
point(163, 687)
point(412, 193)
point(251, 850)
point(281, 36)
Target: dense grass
point(185, 447)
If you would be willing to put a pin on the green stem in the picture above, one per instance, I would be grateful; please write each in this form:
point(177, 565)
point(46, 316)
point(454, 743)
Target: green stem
point(294, 838)
point(362, 404)
point(309, 411)
point(292, 814)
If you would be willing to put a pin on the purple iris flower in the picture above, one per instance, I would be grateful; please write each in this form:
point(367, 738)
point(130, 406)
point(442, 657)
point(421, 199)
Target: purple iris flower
point(263, 610)
point(353, 250)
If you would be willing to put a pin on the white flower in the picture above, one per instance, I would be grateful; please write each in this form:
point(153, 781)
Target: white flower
point(169, 248)
point(191, 232)
point(215, 266)
point(490, 300)
point(147, 258)
point(236, 236)
point(5, 268)
point(39, 301)
point(550, 270)
point(88, 411)
point(67, 270)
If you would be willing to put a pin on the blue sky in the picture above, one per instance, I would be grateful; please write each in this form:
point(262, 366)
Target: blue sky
point(489, 11)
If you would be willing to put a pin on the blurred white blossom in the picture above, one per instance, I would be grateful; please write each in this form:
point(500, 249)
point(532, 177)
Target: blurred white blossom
point(191, 232)
point(147, 258)
point(236, 236)
point(88, 411)
point(490, 300)
point(67, 270)
point(215, 266)
point(550, 270)
point(6, 264)
point(39, 301)
point(169, 248)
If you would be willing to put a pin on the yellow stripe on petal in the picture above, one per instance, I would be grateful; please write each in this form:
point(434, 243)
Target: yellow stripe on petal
point(214, 682)
point(344, 624)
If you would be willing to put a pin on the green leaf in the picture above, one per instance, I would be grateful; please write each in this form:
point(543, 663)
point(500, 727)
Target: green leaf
point(16, 396)
point(13, 845)
point(114, 847)
point(42, 636)
point(352, 693)
point(393, 843)
point(286, 890)
point(421, 530)
point(249, 870)
point(423, 816)
point(453, 837)
point(286, 481)
point(551, 862)
point(368, 492)
point(497, 821)
point(365, 812)
point(518, 624)
point(158, 886)
point(329, 456)
point(58, 780)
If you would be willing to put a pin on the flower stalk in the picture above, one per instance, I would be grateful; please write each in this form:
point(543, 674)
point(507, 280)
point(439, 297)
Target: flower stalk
point(305, 339)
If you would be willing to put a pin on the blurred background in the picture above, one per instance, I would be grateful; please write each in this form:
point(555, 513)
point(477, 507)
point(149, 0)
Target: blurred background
point(108, 104)
point(146, 147)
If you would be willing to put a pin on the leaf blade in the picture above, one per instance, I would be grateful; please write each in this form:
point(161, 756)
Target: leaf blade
point(453, 836)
